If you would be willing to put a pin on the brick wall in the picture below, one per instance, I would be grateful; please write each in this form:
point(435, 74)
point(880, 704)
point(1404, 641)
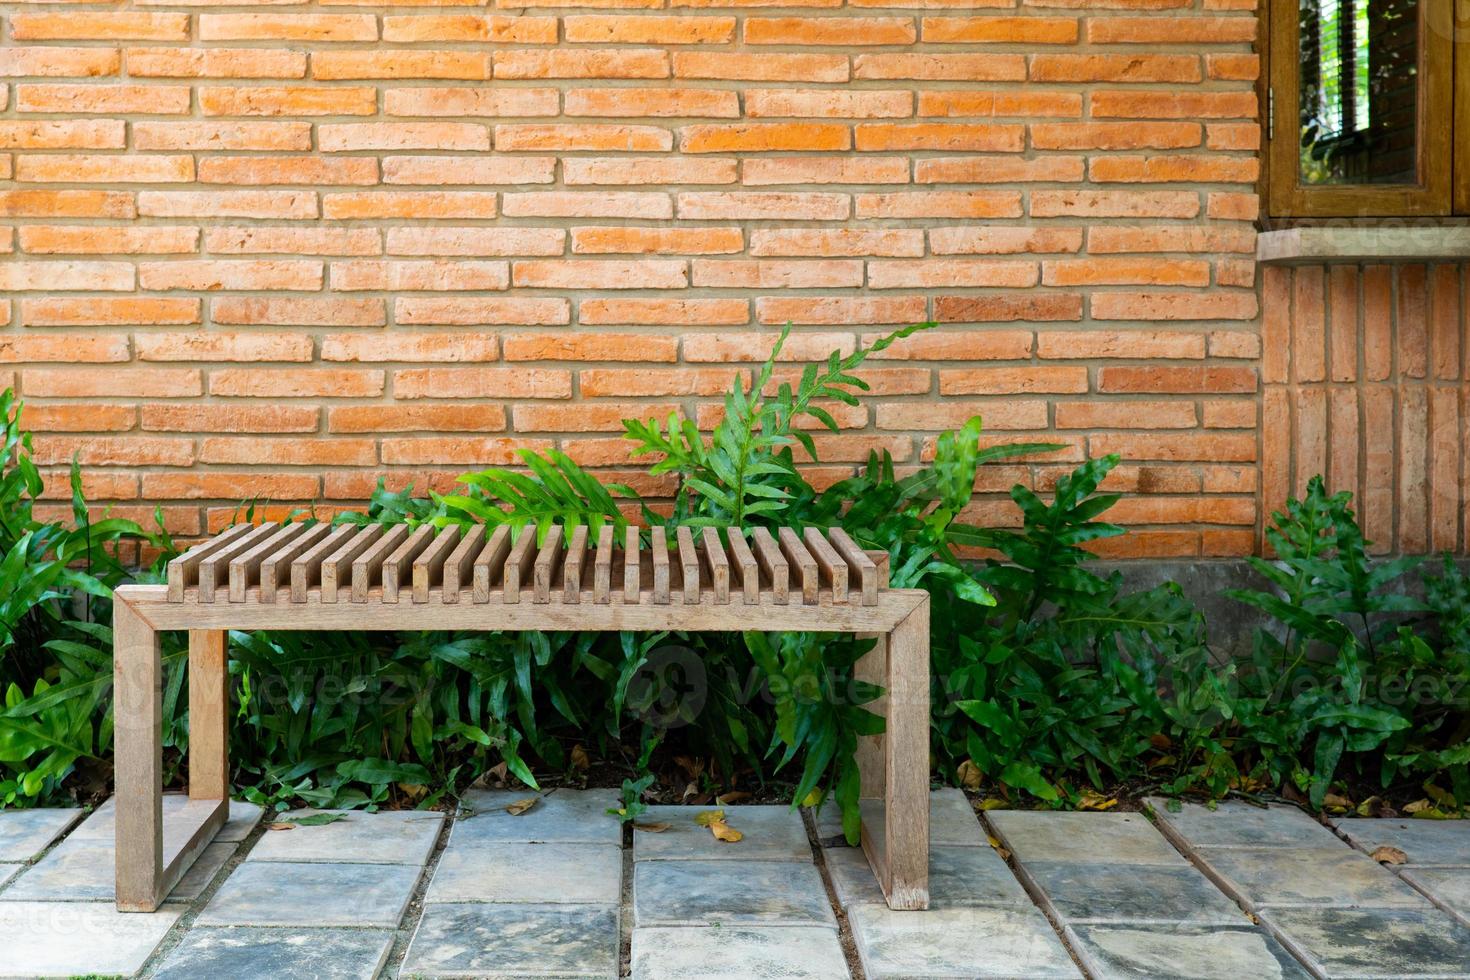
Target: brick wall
point(1367, 380)
point(277, 251)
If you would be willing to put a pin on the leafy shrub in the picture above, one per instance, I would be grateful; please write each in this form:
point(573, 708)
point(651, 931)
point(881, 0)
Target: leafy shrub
point(1052, 682)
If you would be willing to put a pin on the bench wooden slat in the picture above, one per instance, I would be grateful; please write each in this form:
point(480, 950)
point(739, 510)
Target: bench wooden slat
point(659, 544)
point(830, 565)
point(548, 560)
point(802, 561)
point(217, 564)
point(183, 571)
point(772, 563)
point(858, 563)
point(306, 569)
point(278, 566)
point(245, 564)
point(429, 565)
point(571, 566)
point(719, 563)
point(337, 569)
point(632, 566)
point(749, 571)
point(688, 565)
point(367, 566)
point(522, 553)
point(490, 566)
point(458, 566)
point(602, 565)
point(399, 564)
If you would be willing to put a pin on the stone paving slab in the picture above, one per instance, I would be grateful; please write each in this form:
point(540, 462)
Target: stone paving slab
point(1233, 823)
point(1083, 838)
point(85, 871)
point(959, 877)
point(8, 871)
point(578, 874)
point(952, 821)
point(1323, 876)
point(279, 893)
point(1449, 888)
point(958, 944)
point(772, 833)
point(24, 834)
point(1116, 951)
point(739, 953)
point(1382, 944)
point(321, 954)
point(515, 942)
point(399, 837)
point(1440, 843)
point(725, 893)
point(102, 824)
point(564, 816)
point(1085, 893)
point(74, 939)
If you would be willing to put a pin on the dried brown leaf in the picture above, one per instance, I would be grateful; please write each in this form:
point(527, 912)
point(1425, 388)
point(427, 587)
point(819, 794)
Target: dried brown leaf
point(521, 806)
point(1388, 854)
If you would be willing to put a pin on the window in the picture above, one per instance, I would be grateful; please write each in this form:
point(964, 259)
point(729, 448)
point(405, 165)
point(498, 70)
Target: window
point(1365, 117)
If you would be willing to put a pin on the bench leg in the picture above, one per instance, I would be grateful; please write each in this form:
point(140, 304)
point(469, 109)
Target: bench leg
point(896, 827)
point(209, 725)
point(137, 664)
point(150, 856)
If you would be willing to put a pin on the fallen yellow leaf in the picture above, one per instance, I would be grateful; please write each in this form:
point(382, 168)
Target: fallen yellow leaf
point(1005, 855)
point(814, 798)
point(969, 775)
point(1096, 801)
point(994, 803)
point(521, 806)
point(580, 759)
point(725, 832)
point(707, 817)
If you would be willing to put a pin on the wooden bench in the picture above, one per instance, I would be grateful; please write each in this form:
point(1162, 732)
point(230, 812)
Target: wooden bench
point(319, 577)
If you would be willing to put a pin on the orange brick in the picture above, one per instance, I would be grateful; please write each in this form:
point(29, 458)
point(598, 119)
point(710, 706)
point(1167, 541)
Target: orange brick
point(214, 63)
point(475, 241)
point(625, 102)
point(1089, 344)
point(100, 276)
point(1115, 135)
point(474, 347)
point(592, 63)
point(840, 310)
point(1143, 271)
point(409, 204)
point(251, 484)
point(442, 101)
point(227, 204)
point(754, 205)
point(289, 100)
point(223, 346)
point(997, 170)
point(59, 134)
point(469, 27)
point(1175, 105)
point(232, 417)
point(948, 273)
point(948, 345)
point(941, 67)
point(288, 27)
point(991, 240)
point(414, 276)
point(482, 382)
point(222, 136)
point(1114, 204)
point(951, 137)
point(777, 273)
point(816, 243)
point(79, 349)
point(969, 102)
point(1001, 30)
point(109, 311)
point(838, 31)
point(654, 312)
point(63, 62)
point(672, 241)
point(1219, 305)
point(83, 168)
point(102, 100)
point(1175, 169)
point(254, 239)
point(287, 170)
point(580, 204)
point(468, 170)
point(416, 418)
point(1042, 307)
point(113, 451)
point(764, 137)
point(288, 452)
point(645, 29)
point(727, 346)
point(464, 451)
point(757, 171)
point(591, 347)
point(1012, 381)
point(582, 137)
point(761, 66)
point(1190, 29)
point(97, 25)
point(1115, 68)
point(939, 204)
point(1128, 414)
point(400, 64)
point(827, 104)
point(112, 382)
point(467, 311)
point(231, 274)
point(285, 311)
point(90, 417)
point(645, 170)
point(1174, 446)
point(296, 382)
point(601, 274)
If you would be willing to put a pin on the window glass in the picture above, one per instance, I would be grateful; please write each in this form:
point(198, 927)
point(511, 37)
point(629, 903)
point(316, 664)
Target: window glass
point(1359, 91)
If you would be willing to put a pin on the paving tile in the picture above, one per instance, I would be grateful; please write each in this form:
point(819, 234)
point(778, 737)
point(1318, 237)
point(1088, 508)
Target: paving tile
point(1083, 838)
point(84, 871)
point(726, 893)
point(959, 877)
point(1147, 952)
point(524, 942)
point(1325, 876)
point(1132, 893)
point(8, 871)
point(1445, 843)
point(322, 954)
point(958, 944)
point(578, 874)
point(1236, 824)
point(26, 833)
point(397, 837)
point(102, 824)
point(1375, 943)
point(740, 953)
point(952, 821)
point(1447, 887)
point(564, 816)
point(72, 939)
point(772, 833)
point(279, 893)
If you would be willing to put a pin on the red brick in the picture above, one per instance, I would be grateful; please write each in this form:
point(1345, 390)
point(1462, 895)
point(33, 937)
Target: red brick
point(1001, 30)
point(451, 101)
point(482, 382)
point(473, 347)
point(1088, 344)
point(615, 29)
point(223, 346)
point(840, 310)
point(229, 418)
point(944, 137)
point(474, 311)
point(628, 102)
point(108, 311)
point(1041, 307)
point(1177, 380)
point(568, 63)
point(830, 31)
point(1012, 380)
point(598, 346)
point(1190, 29)
point(1115, 68)
point(657, 240)
point(415, 418)
point(826, 103)
point(296, 382)
point(653, 312)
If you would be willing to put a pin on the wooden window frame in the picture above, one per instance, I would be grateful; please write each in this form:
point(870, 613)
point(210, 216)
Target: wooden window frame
point(1443, 150)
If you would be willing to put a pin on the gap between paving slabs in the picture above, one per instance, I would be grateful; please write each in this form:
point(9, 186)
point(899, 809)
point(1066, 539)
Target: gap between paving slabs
point(1129, 904)
point(1335, 908)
